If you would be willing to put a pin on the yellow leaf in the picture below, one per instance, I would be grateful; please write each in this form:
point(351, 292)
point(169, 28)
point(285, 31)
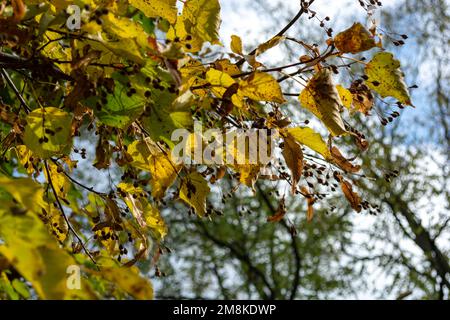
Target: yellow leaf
point(355, 39)
point(198, 23)
point(59, 180)
point(236, 45)
point(386, 78)
point(269, 44)
point(322, 98)
point(345, 95)
point(166, 9)
point(219, 81)
point(202, 19)
point(194, 190)
point(25, 155)
point(127, 279)
point(24, 190)
point(29, 247)
point(226, 66)
point(48, 132)
point(261, 86)
point(145, 213)
point(311, 139)
point(149, 157)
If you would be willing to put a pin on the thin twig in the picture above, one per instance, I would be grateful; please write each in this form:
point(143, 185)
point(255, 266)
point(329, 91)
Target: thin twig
point(303, 10)
point(16, 92)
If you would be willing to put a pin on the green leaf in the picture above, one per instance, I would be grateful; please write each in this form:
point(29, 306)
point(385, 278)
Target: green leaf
point(386, 78)
point(48, 132)
point(121, 108)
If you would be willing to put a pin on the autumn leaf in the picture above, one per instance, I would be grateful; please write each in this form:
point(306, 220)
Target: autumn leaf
point(342, 162)
point(386, 78)
point(48, 132)
point(355, 39)
point(322, 98)
point(346, 96)
point(351, 196)
point(363, 98)
point(219, 81)
point(310, 200)
point(149, 157)
point(310, 138)
point(269, 44)
point(194, 190)
point(281, 212)
point(157, 8)
point(260, 86)
point(127, 279)
point(146, 214)
point(236, 45)
point(293, 155)
point(199, 23)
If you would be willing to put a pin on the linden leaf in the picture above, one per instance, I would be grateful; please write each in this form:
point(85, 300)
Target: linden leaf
point(352, 197)
point(269, 44)
point(322, 98)
point(226, 66)
point(48, 132)
point(28, 246)
point(293, 155)
point(363, 98)
point(355, 39)
point(166, 9)
point(311, 139)
point(342, 162)
point(145, 213)
point(345, 95)
point(281, 212)
point(198, 23)
point(236, 45)
point(310, 199)
point(60, 181)
point(219, 81)
point(202, 19)
point(194, 190)
point(149, 157)
point(127, 279)
point(261, 86)
point(386, 78)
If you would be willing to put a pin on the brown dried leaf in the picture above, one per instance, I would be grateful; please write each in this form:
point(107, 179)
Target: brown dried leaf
point(293, 156)
point(281, 212)
point(343, 162)
point(310, 199)
point(352, 197)
point(355, 39)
